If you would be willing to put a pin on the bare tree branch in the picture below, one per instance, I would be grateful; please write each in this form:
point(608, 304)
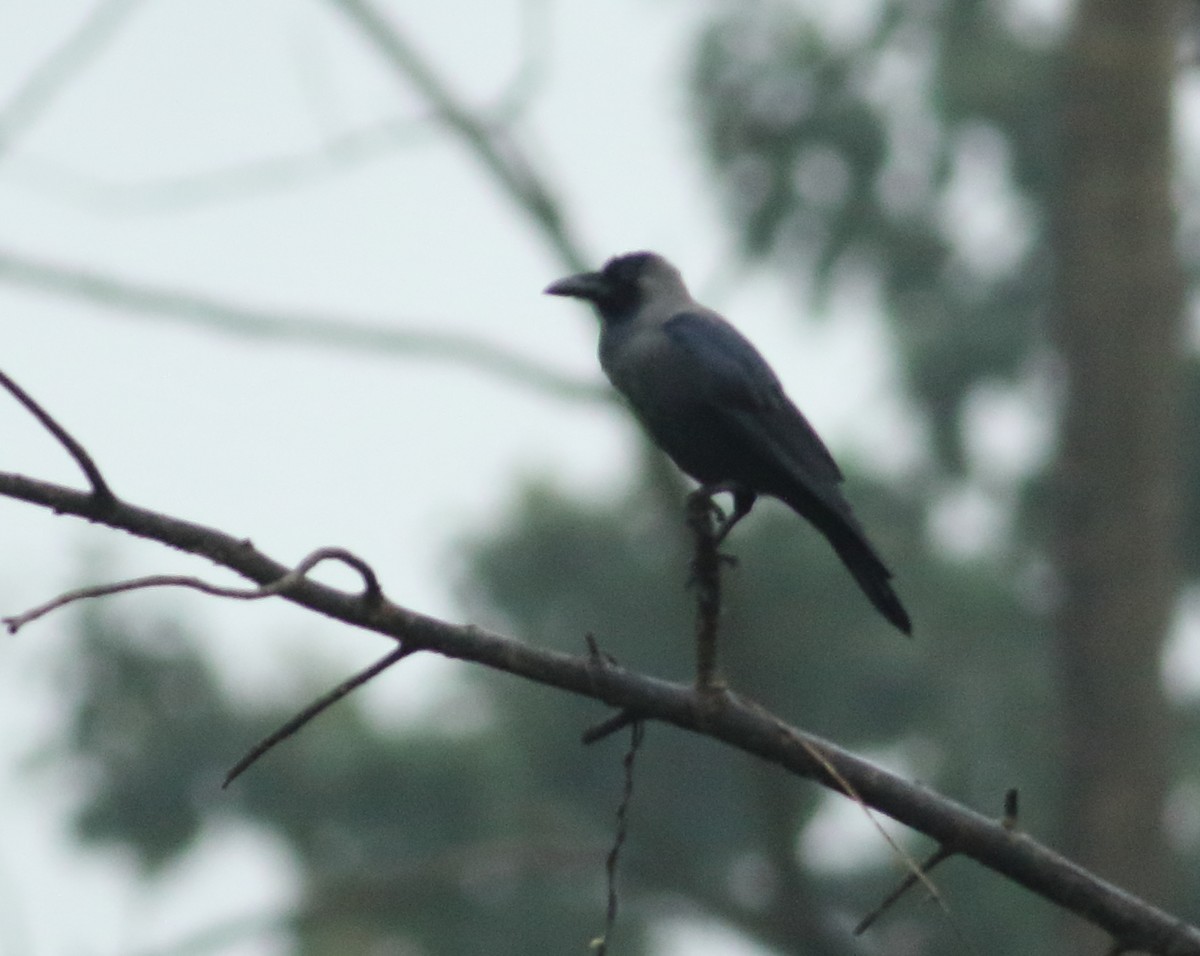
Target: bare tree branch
point(600, 943)
point(519, 92)
point(371, 589)
point(253, 177)
point(99, 486)
point(209, 312)
point(727, 718)
point(500, 155)
point(314, 710)
point(1132, 923)
point(53, 73)
point(341, 150)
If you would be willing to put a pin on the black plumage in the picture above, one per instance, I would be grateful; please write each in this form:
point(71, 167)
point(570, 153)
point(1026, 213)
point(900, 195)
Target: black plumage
point(712, 403)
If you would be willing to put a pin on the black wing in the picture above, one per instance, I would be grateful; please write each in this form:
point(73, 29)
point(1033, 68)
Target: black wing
point(743, 378)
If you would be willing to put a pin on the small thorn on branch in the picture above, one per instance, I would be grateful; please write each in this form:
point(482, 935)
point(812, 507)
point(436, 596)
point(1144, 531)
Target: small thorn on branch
point(596, 657)
point(1009, 820)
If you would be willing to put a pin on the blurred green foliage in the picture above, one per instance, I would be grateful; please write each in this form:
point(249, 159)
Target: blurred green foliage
point(837, 153)
point(847, 151)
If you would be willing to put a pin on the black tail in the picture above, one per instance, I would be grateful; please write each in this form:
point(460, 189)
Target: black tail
point(837, 523)
point(871, 574)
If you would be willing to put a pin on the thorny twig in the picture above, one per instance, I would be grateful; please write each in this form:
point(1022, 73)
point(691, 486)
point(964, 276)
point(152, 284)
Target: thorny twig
point(637, 734)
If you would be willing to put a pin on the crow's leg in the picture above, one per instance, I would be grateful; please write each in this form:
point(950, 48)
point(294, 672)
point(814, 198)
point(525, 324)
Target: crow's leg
point(743, 501)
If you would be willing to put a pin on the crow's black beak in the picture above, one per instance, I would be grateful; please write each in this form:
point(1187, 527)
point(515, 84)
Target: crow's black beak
point(585, 285)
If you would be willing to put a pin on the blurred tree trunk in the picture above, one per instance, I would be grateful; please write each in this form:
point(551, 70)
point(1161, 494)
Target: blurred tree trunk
point(1120, 334)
